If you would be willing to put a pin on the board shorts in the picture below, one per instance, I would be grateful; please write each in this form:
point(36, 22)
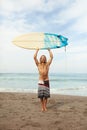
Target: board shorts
point(43, 89)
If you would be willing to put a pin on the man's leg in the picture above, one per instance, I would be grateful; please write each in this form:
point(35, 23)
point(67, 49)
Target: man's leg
point(45, 103)
point(42, 103)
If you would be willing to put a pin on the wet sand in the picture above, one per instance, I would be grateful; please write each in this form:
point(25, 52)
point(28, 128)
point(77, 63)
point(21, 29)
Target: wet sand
point(22, 111)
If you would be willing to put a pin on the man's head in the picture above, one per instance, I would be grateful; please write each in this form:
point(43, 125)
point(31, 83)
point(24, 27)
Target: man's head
point(43, 59)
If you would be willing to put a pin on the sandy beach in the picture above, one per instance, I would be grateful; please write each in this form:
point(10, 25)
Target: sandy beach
point(22, 111)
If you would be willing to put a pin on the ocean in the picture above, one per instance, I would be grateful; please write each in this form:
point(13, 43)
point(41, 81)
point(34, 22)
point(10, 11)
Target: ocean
point(66, 84)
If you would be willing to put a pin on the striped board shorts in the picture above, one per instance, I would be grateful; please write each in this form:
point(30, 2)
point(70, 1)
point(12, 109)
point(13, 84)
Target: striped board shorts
point(43, 89)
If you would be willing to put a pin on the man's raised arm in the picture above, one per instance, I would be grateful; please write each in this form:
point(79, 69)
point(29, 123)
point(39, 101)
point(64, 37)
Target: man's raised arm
point(51, 56)
point(35, 57)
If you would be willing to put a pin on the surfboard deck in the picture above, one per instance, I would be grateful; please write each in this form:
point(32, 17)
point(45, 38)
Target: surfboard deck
point(40, 41)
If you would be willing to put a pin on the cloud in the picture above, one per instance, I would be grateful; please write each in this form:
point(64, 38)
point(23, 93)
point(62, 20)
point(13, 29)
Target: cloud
point(76, 9)
point(74, 16)
point(80, 25)
point(32, 15)
point(23, 16)
point(34, 5)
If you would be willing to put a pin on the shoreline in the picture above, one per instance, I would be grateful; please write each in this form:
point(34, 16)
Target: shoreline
point(22, 111)
point(51, 93)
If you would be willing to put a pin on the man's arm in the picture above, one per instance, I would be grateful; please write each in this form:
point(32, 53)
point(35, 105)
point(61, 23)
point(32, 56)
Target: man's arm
point(51, 56)
point(35, 57)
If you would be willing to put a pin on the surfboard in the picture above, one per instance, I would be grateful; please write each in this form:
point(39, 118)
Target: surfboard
point(40, 41)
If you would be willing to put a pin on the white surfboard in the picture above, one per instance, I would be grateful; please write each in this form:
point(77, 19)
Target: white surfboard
point(40, 41)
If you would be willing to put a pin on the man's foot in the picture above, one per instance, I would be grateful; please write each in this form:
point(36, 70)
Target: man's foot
point(45, 109)
point(42, 110)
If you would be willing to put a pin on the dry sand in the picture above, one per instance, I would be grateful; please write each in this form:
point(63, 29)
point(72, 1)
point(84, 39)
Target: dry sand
point(22, 111)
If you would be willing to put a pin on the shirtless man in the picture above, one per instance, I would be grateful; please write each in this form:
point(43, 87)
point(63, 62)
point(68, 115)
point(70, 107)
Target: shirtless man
point(43, 84)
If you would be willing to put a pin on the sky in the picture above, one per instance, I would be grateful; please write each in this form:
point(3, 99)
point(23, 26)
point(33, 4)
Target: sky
point(67, 18)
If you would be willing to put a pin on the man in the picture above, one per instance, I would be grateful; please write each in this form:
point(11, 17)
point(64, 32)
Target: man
point(43, 84)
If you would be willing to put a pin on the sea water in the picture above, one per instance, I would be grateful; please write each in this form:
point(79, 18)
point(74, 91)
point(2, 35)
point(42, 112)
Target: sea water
point(66, 84)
